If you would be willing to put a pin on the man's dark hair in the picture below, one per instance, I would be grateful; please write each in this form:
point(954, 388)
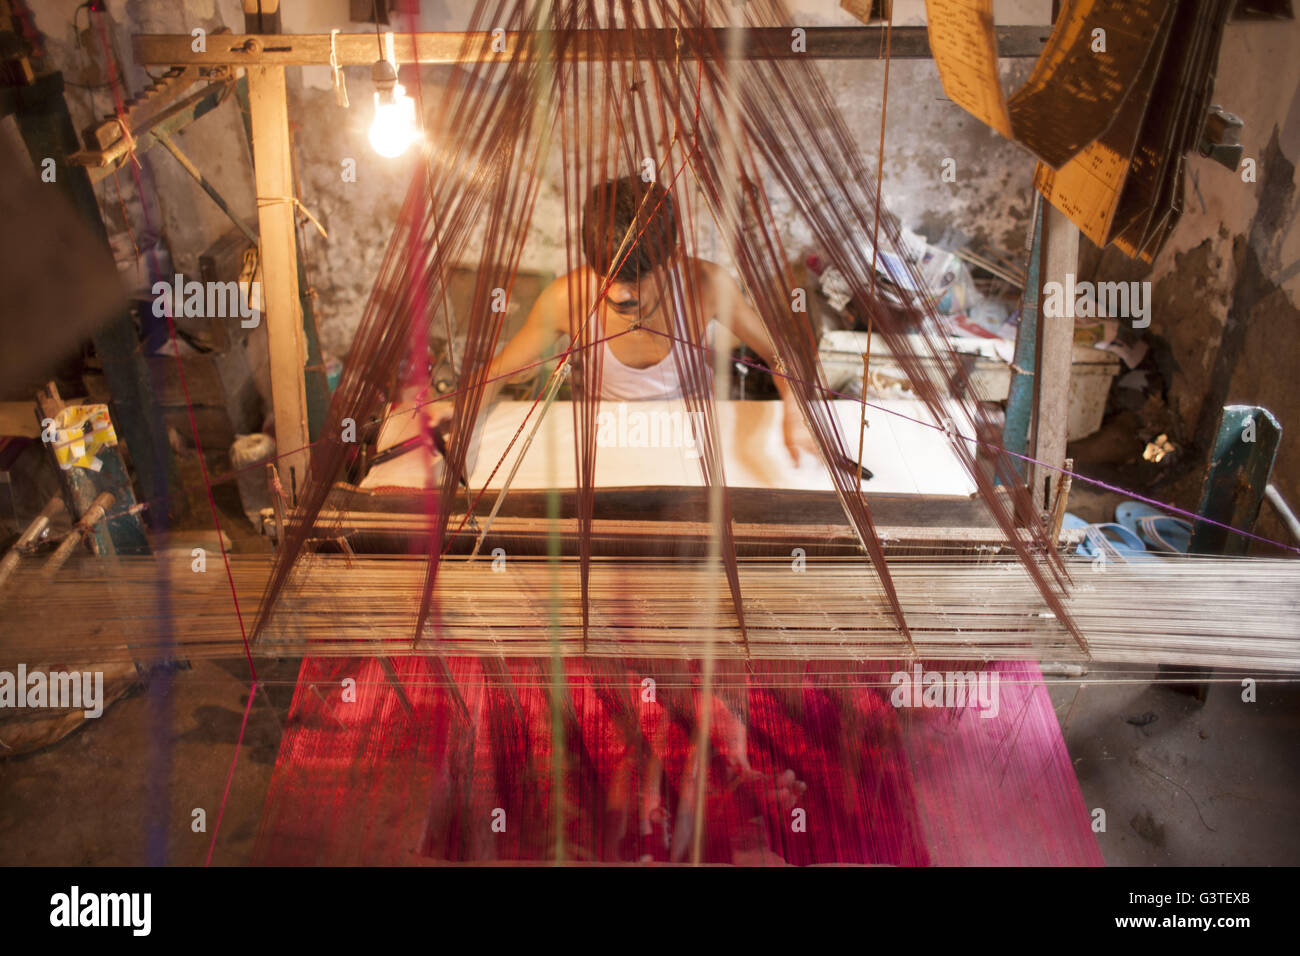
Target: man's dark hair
point(613, 207)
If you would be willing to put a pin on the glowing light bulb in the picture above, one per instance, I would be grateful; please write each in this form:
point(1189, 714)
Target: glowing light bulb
point(393, 129)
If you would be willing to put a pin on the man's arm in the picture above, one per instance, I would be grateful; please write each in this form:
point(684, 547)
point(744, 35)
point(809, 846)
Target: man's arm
point(546, 321)
point(735, 313)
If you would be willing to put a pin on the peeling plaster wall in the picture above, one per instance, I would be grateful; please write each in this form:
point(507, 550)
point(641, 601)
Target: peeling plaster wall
point(1228, 221)
point(1225, 289)
point(178, 208)
point(988, 204)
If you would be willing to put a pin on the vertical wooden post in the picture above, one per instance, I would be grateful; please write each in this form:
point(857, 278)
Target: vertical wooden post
point(261, 16)
point(1022, 397)
point(1055, 351)
point(1236, 478)
point(279, 265)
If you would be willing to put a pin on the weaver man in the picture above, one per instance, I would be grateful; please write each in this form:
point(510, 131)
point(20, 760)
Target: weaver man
point(641, 319)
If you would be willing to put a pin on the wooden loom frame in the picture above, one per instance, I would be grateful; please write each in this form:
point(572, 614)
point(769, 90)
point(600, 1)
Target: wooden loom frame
point(265, 56)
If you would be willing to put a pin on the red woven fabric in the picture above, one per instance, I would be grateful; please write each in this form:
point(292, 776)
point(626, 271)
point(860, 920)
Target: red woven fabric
point(827, 770)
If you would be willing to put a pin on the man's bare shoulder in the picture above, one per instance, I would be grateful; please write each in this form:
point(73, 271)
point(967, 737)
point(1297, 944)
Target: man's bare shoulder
point(567, 284)
point(558, 298)
point(702, 269)
point(562, 290)
point(710, 276)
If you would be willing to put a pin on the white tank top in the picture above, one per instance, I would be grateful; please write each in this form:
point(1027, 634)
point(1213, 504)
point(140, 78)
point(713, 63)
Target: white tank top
point(623, 383)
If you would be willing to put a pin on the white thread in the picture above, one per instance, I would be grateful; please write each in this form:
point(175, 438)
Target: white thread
point(340, 81)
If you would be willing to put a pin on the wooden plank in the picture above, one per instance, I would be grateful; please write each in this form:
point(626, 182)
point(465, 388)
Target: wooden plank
point(281, 310)
point(101, 163)
point(18, 420)
point(352, 605)
point(1055, 351)
point(661, 503)
point(672, 521)
point(387, 533)
point(358, 49)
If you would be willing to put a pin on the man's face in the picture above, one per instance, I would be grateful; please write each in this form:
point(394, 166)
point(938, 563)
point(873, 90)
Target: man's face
point(632, 298)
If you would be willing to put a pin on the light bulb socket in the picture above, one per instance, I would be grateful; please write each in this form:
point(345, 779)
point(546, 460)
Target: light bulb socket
point(384, 75)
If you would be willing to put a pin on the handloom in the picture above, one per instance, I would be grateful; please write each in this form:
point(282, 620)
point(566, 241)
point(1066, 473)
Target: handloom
point(516, 681)
point(778, 123)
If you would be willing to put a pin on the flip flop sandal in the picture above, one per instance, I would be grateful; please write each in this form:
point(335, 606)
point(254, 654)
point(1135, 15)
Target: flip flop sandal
point(1164, 533)
point(1129, 513)
point(1157, 529)
point(1114, 542)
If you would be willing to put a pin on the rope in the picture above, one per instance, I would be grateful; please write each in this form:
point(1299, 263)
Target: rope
point(297, 203)
point(126, 135)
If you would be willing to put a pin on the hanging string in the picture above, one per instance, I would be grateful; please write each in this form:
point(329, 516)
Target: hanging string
point(120, 108)
point(298, 205)
point(336, 72)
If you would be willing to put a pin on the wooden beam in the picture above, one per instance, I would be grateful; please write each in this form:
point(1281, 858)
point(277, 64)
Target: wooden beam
point(1055, 357)
point(17, 420)
point(101, 163)
point(361, 49)
point(383, 532)
point(262, 16)
point(279, 268)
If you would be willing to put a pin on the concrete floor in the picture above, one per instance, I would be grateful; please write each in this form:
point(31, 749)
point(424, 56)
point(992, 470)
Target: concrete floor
point(87, 800)
point(1210, 784)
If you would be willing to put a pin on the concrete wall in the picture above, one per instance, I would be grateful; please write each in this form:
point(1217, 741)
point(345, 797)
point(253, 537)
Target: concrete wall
point(1226, 287)
point(989, 204)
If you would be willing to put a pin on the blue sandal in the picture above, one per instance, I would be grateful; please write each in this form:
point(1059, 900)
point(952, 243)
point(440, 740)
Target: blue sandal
point(1160, 531)
point(1109, 542)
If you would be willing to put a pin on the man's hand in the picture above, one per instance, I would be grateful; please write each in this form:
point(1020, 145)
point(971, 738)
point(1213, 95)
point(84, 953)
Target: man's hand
point(406, 421)
point(438, 414)
point(797, 439)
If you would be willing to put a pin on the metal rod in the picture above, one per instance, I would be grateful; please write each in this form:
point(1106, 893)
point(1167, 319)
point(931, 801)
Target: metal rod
point(206, 186)
point(1288, 516)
